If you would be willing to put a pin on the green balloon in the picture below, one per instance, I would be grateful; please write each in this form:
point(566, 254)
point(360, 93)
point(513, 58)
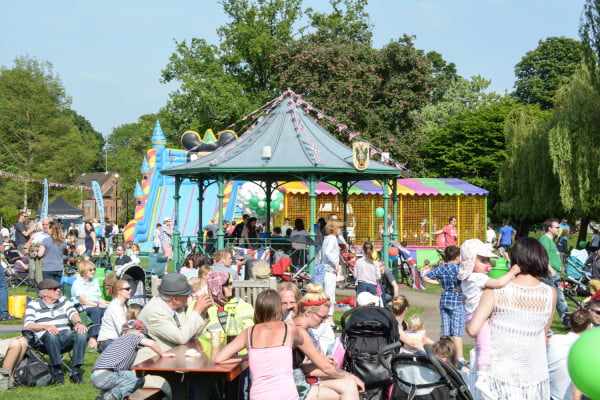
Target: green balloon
point(379, 212)
point(583, 358)
point(253, 202)
point(261, 211)
point(280, 196)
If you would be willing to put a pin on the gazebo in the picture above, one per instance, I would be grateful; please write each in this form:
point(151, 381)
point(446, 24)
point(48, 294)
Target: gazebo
point(285, 144)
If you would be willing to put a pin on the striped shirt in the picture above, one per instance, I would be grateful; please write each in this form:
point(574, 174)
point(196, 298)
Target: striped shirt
point(120, 354)
point(58, 314)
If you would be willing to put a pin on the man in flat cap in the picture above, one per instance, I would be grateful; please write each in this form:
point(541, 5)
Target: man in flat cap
point(50, 318)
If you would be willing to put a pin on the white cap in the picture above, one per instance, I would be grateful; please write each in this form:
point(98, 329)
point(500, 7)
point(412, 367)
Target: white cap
point(367, 299)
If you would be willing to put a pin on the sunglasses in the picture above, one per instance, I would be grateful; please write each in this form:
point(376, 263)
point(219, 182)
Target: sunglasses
point(92, 270)
point(322, 317)
point(597, 312)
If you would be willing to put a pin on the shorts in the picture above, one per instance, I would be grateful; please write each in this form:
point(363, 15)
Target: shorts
point(453, 320)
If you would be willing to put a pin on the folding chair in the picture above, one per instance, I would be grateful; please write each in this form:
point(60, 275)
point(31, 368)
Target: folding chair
point(157, 265)
point(17, 280)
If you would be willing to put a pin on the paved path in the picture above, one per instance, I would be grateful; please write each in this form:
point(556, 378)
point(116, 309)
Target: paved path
point(431, 312)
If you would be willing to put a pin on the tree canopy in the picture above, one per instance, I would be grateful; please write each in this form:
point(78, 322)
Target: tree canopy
point(471, 146)
point(38, 137)
point(543, 70)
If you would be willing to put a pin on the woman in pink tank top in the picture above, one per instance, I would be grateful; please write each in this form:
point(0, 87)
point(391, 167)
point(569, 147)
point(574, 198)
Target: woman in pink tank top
point(269, 345)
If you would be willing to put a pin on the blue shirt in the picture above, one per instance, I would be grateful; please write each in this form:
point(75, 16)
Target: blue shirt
point(506, 232)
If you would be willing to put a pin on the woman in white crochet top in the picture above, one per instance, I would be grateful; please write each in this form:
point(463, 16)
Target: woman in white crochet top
point(520, 315)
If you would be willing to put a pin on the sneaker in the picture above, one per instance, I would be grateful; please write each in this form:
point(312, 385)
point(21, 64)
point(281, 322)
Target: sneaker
point(59, 378)
point(76, 377)
point(483, 385)
point(8, 318)
point(108, 396)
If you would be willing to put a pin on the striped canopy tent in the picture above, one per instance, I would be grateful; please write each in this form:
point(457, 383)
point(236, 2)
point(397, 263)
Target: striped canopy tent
point(284, 143)
point(410, 186)
point(421, 206)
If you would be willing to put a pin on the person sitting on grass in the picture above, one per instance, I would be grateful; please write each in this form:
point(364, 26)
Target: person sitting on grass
point(112, 372)
point(12, 350)
point(416, 333)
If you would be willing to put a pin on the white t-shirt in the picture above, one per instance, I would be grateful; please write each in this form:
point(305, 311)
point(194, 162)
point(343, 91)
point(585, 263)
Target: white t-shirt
point(490, 236)
point(557, 352)
point(472, 289)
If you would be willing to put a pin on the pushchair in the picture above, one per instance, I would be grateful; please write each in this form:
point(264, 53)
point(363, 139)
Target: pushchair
point(347, 261)
point(422, 377)
point(136, 276)
point(365, 330)
point(576, 279)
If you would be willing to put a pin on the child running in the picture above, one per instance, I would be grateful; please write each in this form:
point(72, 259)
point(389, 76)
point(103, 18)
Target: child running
point(112, 372)
point(474, 266)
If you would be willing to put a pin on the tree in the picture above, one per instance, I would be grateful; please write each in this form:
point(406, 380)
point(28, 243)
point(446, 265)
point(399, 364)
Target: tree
point(575, 144)
point(471, 146)
point(374, 92)
point(589, 31)
point(220, 84)
point(37, 139)
point(460, 95)
point(90, 136)
point(528, 188)
point(541, 71)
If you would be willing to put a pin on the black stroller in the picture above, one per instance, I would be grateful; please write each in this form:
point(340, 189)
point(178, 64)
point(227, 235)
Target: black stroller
point(422, 377)
point(136, 276)
point(365, 330)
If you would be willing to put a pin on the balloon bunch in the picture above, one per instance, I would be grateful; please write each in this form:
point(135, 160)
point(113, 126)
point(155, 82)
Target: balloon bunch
point(252, 200)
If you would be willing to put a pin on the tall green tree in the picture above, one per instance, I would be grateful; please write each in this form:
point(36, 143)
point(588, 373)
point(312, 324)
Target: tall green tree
point(543, 70)
point(37, 139)
point(471, 146)
point(218, 84)
point(89, 135)
point(575, 144)
point(529, 189)
point(459, 95)
point(589, 32)
point(373, 91)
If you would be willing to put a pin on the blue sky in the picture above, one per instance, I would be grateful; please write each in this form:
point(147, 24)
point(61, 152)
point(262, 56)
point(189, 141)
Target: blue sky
point(109, 53)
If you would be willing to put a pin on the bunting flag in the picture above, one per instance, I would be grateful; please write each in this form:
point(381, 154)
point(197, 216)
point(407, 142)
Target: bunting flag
point(260, 254)
point(10, 175)
point(99, 202)
point(417, 282)
point(44, 210)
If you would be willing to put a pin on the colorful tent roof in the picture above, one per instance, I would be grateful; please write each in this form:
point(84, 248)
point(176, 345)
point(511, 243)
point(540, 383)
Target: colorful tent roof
point(418, 187)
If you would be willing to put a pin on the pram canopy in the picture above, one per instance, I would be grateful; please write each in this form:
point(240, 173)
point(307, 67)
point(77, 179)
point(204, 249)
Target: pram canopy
point(136, 276)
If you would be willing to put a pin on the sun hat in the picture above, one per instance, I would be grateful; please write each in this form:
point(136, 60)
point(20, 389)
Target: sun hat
point(215, 282)
point(469, 250)
point(48, 284)
point(366, 299)
point(166, 219)
point(135, 324)
point(175, 284)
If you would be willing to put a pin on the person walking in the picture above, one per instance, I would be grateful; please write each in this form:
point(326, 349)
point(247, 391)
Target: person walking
point(551, 228)
point(506, 235)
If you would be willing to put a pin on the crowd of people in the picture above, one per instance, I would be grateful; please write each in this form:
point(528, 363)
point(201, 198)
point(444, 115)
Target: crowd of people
point(289, 338)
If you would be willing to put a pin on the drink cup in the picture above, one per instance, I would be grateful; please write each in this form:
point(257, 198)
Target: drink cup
point(215, 337)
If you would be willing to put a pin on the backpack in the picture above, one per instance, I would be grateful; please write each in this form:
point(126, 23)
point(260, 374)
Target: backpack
point(32, 371)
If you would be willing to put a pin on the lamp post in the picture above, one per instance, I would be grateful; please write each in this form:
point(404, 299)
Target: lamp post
point(116, 196)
